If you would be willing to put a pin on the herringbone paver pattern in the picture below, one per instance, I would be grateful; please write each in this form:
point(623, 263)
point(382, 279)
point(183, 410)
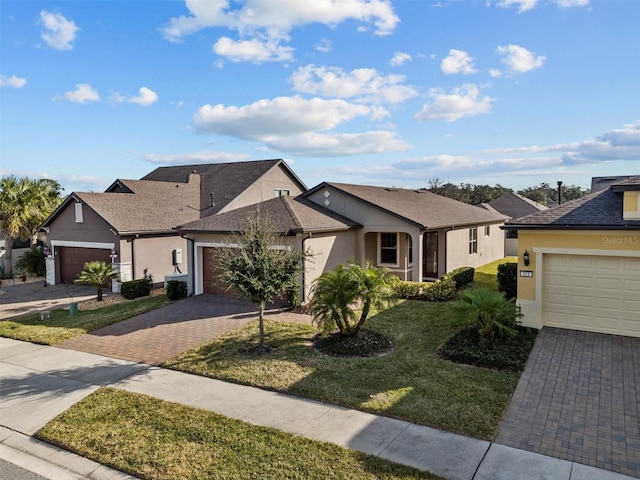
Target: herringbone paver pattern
point(579, 399)
point(161, 334)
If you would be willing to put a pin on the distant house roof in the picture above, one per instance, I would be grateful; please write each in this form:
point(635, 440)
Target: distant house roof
point(150, 207)
point(290, 215)
point(514, 206)
point(599, 210)
point(602, 183)
point(220, 183)
point(420, 207)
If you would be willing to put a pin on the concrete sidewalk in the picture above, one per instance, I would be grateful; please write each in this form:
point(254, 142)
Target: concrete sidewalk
point(38, 383)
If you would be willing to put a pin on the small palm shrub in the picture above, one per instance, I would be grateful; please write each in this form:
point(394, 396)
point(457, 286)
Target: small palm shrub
point(97, 274)
point(487, 311)
point(32, 262)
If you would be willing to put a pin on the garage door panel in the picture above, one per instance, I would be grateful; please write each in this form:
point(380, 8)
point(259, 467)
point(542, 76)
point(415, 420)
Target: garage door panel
point(593, 293)
point(71, 260)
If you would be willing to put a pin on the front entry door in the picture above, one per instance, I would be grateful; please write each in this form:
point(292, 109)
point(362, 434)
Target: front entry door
point(430, 260)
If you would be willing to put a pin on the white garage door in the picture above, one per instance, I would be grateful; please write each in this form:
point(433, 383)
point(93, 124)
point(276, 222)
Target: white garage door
point(593, 293)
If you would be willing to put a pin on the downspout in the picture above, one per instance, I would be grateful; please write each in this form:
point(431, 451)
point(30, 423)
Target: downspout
point(304, 260)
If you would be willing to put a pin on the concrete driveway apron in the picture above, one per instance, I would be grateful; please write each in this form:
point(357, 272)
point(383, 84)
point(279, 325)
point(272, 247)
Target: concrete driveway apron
point(579, 400)
point(156, 336)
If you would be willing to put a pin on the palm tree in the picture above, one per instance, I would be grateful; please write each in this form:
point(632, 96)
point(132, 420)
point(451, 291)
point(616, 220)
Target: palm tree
point(97, 274)
point(488, 311)
point(338, 293)
point(24, 205)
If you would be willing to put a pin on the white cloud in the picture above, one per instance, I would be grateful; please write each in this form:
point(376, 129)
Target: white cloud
point(279, 116)
point(572, 3)
point(83, 93)
point(338, 144)
point(495, 73)
point(458, 61)
point(400, 58)
point(273, 20)
point(12, 81)
point(617, 144)
point(448, 161)
point(146, 97)
point(523, 5)
point(255, 50)
point(324, 45)
point(518, 59)
point(195, 157)
point(59, 33)
point(464, 101)
point(362, 84)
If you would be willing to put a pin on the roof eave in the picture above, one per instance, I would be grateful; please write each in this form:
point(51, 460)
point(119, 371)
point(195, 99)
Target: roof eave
point(542, 226)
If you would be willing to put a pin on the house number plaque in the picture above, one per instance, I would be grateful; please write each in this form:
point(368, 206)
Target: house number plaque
point(526, 273)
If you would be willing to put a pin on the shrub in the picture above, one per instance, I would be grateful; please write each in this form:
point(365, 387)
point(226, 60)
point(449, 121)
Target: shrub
point(135, 288)
point(176, 289)
point(488, 311)
point(505, 353)
point(32, 262)
point(439, 291)
point(462, 276)
point(508, 279)
point(408, 290)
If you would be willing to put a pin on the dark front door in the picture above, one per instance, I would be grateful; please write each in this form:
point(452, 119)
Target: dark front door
point(430, 258)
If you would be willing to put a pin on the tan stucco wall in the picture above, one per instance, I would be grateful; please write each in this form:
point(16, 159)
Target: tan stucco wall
point(490, 248)
point(631, 205)
point(264, 189)
point(540, 242)
point(153, 256)
point(92, 229)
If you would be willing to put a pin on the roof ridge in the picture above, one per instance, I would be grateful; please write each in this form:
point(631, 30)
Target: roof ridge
point(285, 200)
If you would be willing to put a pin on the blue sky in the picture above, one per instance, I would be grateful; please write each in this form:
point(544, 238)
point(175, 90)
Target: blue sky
point(393, 93)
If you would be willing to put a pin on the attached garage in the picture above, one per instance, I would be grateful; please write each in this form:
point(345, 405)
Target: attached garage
point(594, 293)
point(71, 260)
point(210, 272)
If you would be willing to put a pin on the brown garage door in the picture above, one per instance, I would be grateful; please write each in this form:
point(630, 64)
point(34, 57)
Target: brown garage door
point(211, 273)
point(72, 260)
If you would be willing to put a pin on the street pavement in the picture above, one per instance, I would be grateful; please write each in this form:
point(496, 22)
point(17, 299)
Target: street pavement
point(39, 382)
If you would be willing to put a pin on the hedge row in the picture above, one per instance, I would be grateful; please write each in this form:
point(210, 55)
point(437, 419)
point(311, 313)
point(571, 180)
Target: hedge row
point(441, 290)
point(176, 289)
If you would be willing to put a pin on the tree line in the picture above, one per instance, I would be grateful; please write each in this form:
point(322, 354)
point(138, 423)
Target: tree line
point(543, 193)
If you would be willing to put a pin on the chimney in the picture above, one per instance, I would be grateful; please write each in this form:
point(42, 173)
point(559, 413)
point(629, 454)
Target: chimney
point(559, 192)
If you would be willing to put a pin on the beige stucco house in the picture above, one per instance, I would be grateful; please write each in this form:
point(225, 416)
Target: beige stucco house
point(132, 223)
point(579, 262)
point(341, 222)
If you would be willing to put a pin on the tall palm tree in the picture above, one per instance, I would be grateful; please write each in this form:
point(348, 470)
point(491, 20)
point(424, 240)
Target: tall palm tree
point(97, 274)
point(24, 205)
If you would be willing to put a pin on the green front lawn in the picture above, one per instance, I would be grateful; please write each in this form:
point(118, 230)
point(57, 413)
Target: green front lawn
point(63, 326)
point(411, 382)
point(485, 276)
point(154, 439)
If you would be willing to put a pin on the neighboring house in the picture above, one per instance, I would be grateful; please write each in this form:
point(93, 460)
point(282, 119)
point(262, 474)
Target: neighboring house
point(132, 223)
point(602, 183)
point(340, 222)
point(583, 271)
point(512, 205)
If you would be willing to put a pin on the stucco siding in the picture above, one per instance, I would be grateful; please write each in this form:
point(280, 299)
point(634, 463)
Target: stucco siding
point(329, 250)
point(489, 248)
point(92, 229)
point(264, 189)
point(152, 256)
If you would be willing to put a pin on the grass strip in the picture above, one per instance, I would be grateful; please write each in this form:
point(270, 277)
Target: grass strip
point(155, 439)
point(62, 326)
point(411, 382)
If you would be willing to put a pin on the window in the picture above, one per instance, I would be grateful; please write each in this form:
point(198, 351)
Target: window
point(389, 248)
point(79, 213)
point(487, 230)
point(473, 240)
point(281, 192)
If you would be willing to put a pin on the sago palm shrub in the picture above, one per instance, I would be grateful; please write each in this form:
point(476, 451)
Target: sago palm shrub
point(97, 274)
point(488, 311)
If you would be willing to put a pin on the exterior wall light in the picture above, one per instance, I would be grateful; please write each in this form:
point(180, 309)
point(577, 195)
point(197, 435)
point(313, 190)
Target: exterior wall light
point(525, 257)
point(114, 255)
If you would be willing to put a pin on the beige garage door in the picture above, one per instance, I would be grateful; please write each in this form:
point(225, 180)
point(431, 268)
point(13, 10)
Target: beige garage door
point(592, 293)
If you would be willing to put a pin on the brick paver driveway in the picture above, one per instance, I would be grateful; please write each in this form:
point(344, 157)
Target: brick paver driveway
point(579, 399)
point(156, 336)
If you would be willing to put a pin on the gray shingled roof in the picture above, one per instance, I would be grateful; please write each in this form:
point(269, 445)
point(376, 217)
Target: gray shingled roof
point(289, 215)
point(602, 183)
point(224, 180)
point(155, 207)
point(514, 206)
point(599, 210)
point(423, 208)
